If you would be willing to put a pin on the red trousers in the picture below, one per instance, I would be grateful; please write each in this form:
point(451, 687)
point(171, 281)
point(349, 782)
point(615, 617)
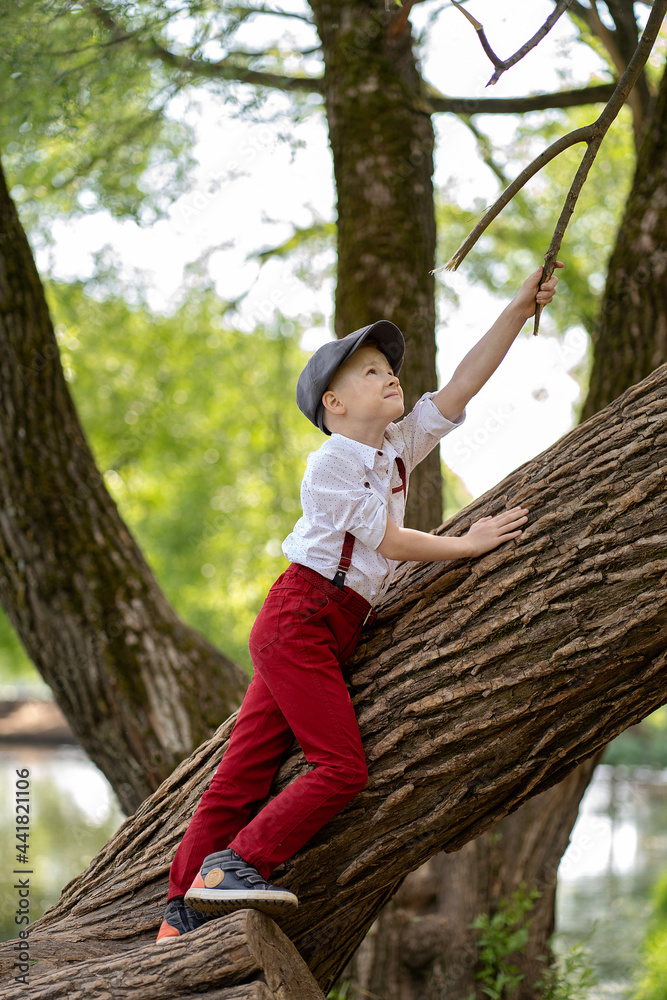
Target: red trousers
point(304, 632)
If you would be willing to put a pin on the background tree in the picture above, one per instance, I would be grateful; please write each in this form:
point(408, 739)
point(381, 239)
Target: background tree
point(630, 339)
point(138, 137)
point(74, 584)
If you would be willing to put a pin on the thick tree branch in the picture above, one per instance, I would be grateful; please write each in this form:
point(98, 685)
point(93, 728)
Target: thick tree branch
point(481, 684)
point(592, 135)
point(518, 105)
point(243, 957)
point(501, 65)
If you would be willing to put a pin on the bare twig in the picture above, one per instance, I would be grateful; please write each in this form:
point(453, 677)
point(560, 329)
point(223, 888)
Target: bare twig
point(261, 9)
point(504, 64)
point(592, 135)
point(583, 134)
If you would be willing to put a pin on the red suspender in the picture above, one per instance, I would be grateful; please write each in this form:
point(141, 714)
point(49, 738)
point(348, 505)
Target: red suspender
point(345, 560)
point(401, 471)
point(349, 540)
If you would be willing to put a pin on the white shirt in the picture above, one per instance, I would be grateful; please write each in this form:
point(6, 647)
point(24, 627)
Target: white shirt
point(349, 486)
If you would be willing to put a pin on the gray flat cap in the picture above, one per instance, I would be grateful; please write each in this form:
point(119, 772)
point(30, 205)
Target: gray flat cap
point(320, 369)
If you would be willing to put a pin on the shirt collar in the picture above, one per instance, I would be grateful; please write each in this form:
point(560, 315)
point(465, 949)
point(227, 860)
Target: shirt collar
point(368, 454)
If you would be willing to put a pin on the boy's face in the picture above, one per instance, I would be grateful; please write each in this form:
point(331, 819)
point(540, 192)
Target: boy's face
point(366, 389)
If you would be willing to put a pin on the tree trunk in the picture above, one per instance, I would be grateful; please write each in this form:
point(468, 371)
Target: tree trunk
point(381, 138)
point(482, 684)
point(631, 335)
point(123, 667)
point(620, 43)
point(422, 948)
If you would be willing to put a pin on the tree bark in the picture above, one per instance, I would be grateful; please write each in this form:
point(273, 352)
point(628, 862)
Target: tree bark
point(126, 671)
point(482, 684)
point(422, 948)
point(630, 339)
point(381, 137)
point(244, 956)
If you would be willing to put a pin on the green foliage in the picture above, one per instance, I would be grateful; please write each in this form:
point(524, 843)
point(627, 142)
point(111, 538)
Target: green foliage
point(194, 428)
point(570, 977)
point(85, 123)
point(500, 936)
point(341, 991)
point(652, 981)
point(503, 935)
point(642, 745)
point(15, 667)
point(89, 118)
point(455, 493)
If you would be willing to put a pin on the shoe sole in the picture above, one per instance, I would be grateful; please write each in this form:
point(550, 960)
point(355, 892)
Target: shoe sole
point(212, 901)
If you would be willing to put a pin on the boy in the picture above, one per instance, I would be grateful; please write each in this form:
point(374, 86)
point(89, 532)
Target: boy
point(342, 555)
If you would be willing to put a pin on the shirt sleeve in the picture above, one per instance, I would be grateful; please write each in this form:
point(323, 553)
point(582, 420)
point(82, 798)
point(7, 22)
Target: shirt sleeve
point(422, 428)
point(338, 486)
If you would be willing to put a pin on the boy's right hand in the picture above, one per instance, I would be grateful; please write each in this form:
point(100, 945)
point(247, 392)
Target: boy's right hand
point(490, 532)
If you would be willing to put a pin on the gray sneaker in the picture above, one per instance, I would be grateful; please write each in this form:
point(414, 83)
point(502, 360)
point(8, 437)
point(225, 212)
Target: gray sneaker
point(179, 918)
point(226, 883)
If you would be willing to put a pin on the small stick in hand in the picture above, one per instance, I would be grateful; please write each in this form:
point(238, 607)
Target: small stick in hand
point(550, 265)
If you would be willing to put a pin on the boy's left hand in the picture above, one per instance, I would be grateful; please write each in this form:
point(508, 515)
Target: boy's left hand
point(528, 294)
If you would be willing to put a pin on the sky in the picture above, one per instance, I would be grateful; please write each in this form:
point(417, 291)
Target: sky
point(250, 190)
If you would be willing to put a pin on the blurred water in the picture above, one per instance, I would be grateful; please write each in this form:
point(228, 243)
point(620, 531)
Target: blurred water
point(617, 851)
point(72, 813)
